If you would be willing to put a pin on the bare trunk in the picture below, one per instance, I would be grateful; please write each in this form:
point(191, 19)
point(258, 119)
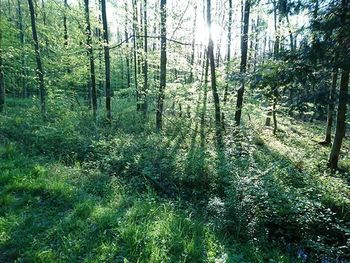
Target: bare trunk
point(193, 43)
point(331, 104)
point(163, 60)
point(40, 72)
point(134, 31)
point(213, 79)
point(341, 117)
point(127, 46)
point(145, 65)
point(92, 80)
point(107, 62)
point(2, 84)
point(243, 66)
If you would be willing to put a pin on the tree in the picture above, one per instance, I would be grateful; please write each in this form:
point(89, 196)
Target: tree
point(145, 62)
point(330, 113)
point(163, 60)
point(344, 60)
point(193, 43)
point(21, 39)
point(341, 117)
point(39, 71)
point(134, 32)
point(213, 78)
point(243, 65)
point(91, 59)
point(2, 84)
point(107, 62)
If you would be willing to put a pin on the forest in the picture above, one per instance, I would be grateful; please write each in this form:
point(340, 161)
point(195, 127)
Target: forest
point(174, 131)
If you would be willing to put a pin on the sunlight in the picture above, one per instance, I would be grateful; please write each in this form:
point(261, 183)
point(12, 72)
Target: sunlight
point(202, 33)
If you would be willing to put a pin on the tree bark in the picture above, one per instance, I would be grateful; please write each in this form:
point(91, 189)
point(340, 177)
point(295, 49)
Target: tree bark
point(193, 44)
point(134, 30)
point(341, 117)
point(218, 129)
point(145, 65)
point(39, 71)
point(92, 81)
point(65, 29)
point(127, 46)
point(107, 62)
point(2, 84)
point(331, 104)
point(243, 65)
point(163, 60)
point(21, 39)
point(228, 59)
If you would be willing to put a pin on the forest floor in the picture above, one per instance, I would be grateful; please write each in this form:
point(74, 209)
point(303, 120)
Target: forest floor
point(70, 192)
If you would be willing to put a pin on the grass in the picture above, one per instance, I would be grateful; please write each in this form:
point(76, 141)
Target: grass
point(71, 191)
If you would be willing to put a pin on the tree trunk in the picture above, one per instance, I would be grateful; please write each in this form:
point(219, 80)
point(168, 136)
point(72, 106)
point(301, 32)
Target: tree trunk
point(229, 37)
point(163, 60)
point(243, 65)
point(341, 117)
point(331, 104)
point(92, 81)
point(21, 39)
point(65, 33)
point(2, 84)
point(127, 45)
point(193, 43)
point(40, 72)
point(145, 65)
point(213, 79)
point(107, 62)
point(134, 31)
point(274, 111)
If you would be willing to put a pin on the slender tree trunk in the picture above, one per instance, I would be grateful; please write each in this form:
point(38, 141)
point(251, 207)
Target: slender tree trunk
point(228, 58)
point(92, 81)
point(134, 31)
point(107, 62)
point(193, 43)
point(2, 83)
point(243, 65)
point(341, 117)
point(331, 104)
point(21, 38)
point(127, 45)
point(163, 60)
point(40, 72)
point(145, 65)
point(290, 34)
point(213, 79)
point(274, 110)
point(65, 33)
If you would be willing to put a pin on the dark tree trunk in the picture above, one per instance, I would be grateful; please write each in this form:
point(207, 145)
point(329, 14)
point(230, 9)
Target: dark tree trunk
point(145, 65)
point(127, 46)
point(92, 81)
point(2, 84)
point(243, 65)
point(134, 31)
point(341, 117)
point(193, 43)
point(65, 33)
point(163, 60)
point(21, 39)
point(40, 72)
point(107, 62)
point(213, 79)
point(229, 37)
point(331, 104)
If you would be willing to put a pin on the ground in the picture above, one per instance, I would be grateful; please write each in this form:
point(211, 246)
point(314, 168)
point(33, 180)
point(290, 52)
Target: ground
point(71, 193)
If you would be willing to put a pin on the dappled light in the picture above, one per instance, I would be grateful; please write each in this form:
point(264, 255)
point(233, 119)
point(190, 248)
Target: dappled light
point(174, 131)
